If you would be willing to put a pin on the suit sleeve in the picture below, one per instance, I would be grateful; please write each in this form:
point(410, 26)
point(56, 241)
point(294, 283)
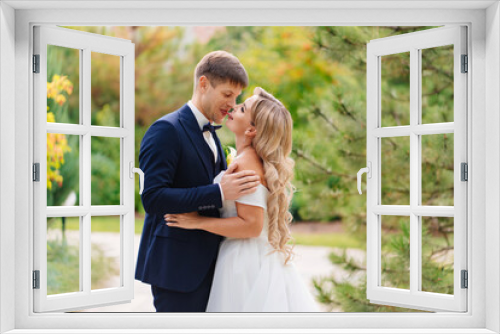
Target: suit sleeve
point(158, 159)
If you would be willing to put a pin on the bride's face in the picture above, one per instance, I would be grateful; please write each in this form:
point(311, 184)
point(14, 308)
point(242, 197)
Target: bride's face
point(240, 119)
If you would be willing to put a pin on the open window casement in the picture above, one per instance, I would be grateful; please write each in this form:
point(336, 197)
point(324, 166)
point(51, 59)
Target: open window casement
point(77, 132)
point(408, 130)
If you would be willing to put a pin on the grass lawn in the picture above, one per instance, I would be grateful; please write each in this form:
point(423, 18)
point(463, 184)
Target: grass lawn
point(337, 240)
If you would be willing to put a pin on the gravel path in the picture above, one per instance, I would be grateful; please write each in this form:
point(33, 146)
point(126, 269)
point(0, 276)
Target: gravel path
point(311, 262)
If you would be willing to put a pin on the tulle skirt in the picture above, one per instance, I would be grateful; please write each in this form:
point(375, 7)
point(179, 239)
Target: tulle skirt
point(248, 278)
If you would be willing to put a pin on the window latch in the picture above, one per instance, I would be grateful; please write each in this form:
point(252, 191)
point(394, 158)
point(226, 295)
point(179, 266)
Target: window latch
point(133, 170)
point(368, 171)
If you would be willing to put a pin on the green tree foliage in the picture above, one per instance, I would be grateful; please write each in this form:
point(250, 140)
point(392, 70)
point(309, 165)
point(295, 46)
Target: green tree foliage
point(283, 61)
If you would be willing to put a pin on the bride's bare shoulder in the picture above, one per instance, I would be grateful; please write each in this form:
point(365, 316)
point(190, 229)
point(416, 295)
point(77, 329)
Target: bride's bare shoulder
point(249, 160)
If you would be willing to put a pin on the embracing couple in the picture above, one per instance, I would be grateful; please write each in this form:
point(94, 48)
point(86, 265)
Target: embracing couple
point(215, 238)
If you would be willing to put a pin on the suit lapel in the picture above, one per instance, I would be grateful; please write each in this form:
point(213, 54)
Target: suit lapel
point(190, 125)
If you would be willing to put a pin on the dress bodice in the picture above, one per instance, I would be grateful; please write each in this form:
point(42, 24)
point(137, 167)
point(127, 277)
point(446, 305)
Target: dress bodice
point(258, 198)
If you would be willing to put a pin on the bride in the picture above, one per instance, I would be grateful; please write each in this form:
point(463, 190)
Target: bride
point(254, 272)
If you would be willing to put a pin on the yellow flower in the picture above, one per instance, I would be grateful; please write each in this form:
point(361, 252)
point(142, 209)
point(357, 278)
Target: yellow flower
point(230, 155)
point(50, 117)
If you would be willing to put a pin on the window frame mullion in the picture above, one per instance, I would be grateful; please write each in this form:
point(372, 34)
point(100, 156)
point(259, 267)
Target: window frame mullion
point(415, 171)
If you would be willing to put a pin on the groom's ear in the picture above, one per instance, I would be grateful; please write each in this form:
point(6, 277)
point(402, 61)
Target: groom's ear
point(203, 83)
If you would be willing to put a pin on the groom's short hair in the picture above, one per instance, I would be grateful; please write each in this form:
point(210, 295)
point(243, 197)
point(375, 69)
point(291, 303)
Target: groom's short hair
point(221, 67)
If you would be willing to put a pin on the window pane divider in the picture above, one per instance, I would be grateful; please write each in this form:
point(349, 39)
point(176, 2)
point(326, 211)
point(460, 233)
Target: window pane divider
point(94, 210)
point(415, 171)
point(392, 210)
point(85, 236)
point(434, 129)
point(407, 130)
point(105, 131)
point(75, 129)
point(392, 131)
point(433, 211)
point(418, 210)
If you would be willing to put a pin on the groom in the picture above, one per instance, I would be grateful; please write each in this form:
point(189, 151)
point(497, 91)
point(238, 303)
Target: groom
point(180, 156)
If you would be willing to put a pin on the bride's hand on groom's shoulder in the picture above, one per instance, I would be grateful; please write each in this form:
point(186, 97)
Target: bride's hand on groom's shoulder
point(236, 184)
point(188, 221)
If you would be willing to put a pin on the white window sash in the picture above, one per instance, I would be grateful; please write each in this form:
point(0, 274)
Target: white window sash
point(414, 297)
point(86, 43)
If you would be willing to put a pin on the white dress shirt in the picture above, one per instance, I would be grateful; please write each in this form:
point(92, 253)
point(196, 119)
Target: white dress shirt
point(202, 120)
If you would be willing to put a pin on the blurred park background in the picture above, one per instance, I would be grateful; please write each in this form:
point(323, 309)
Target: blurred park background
point(319, 73)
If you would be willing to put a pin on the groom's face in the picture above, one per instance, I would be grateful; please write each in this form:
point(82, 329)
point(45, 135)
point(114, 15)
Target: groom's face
point(219, 100)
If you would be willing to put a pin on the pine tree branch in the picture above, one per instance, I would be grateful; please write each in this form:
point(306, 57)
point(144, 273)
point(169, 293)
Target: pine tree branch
point(345, 111)
point(350, 154)
point(300, 154)
point(441, 250)
point(316, 111)
point(396, 190)
point(332, 32)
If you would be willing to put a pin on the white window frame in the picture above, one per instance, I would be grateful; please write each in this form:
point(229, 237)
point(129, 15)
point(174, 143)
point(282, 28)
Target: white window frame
point(483, 123)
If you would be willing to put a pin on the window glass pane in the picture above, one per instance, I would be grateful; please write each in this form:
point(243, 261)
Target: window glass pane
point(437, 254)
point(106, 248)
point(437, 169)
point(395, 90)
point(105, 187)
point(63, 255)
point(63, 169)
point(395, 160)
point(437, 84)
point(105, 89)
point(63, 85)
point(395, 252)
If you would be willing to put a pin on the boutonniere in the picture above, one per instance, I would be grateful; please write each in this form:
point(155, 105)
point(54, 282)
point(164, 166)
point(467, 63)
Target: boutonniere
point(230, 154)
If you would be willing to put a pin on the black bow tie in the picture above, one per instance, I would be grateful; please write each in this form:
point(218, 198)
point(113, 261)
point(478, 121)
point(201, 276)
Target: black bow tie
point(211, 128)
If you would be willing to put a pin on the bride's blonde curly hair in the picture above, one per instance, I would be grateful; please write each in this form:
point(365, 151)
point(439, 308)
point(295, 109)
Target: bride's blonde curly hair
point(273, 144)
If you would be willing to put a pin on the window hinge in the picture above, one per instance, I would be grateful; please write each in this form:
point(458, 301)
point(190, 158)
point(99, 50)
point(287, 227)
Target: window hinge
point(465, 64)
point(465, 171)
point(36, 172)
point(36, 63)
point(465, 279)
point(36, 279)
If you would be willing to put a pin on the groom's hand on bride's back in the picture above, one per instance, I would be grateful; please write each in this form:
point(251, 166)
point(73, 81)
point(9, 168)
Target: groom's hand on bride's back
point(236, 184)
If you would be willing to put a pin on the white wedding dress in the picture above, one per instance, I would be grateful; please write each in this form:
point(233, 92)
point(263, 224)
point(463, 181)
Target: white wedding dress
point(248, 278)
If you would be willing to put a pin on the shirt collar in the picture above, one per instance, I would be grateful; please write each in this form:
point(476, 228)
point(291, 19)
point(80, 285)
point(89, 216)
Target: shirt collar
point(200, 118)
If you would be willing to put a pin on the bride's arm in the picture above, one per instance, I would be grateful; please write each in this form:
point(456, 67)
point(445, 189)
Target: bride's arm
point(250, 219)
point(248, 223)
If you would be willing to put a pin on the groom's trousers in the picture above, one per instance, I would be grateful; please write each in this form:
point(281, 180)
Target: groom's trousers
point(173, 301)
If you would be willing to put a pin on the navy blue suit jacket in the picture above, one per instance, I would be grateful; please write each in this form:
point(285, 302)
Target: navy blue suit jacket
point(179, 169)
